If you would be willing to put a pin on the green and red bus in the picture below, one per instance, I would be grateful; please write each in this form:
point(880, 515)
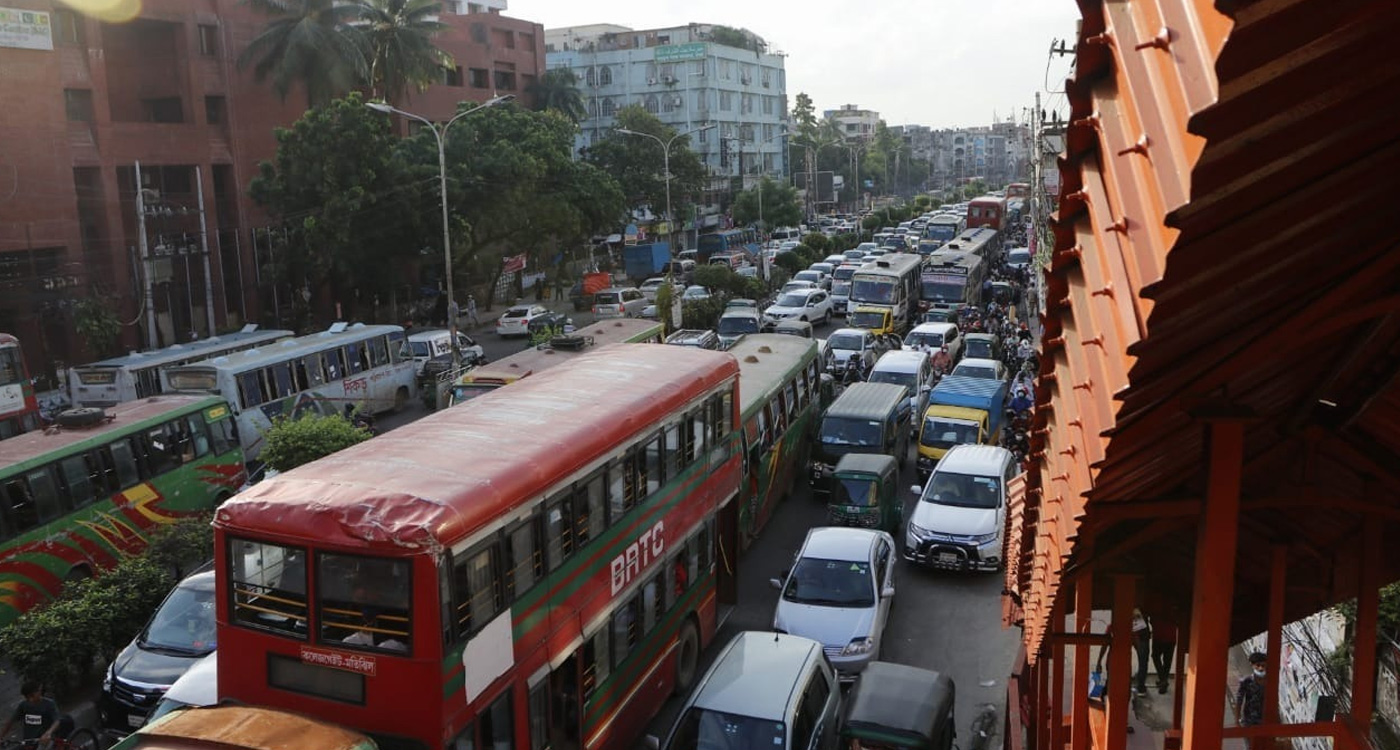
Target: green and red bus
point(77, 499)
point(540, 569)
point(779, 391)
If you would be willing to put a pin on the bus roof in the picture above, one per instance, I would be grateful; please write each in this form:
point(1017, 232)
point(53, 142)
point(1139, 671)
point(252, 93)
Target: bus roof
point(282, 350)
point(244, 728)
point(537, 358)
point(438, 480)
point(891, 264)
point(8, 340)
point(31, 445)
point(182, 352)
point(765, 361)
point(988, 199)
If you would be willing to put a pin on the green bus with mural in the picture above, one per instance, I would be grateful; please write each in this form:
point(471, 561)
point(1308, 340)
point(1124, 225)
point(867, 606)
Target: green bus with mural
point(80, 496)
point(779, 390)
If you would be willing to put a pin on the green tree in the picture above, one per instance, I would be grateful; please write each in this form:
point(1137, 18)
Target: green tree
point(289, 443)
point(638, 163)
point(337, 185)
point(789, 261)
point(558, 90)
point(817, 242)
point(398, 36)
point(780, 205)
point(96, 321)
point(309, 42)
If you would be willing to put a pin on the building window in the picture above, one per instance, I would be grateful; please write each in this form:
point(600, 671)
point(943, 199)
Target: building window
point(67, 29)
point(505, 80)
point(78, 103)
point(670, 103)
point(452, 76)
point(479, 34)
point(503, 38)
point(604, 76)
point(592, 108)
point(767, 105)
point(699, 69)
point(527, 41)
point(590, 77)
point(726, 101)
point(481, 78)
point(208, 40)
point(702, 103)
point(704, 136)
point(163, 109)
point(609, 107)
point(767, 77)
point(652, 105)
point(214, 110)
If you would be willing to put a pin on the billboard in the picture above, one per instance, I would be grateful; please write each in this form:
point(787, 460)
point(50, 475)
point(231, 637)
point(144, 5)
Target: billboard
point(674, 52)
point(25, 29)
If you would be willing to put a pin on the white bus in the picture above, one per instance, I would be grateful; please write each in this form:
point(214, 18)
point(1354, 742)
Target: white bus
point(890, 281)
point(362, 366)
point(140, 374)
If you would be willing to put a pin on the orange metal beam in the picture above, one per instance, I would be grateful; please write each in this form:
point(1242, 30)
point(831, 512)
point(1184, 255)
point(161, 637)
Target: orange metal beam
point(1120, 661)
point(1079, 732)
point(1278, 579)
point(1363, 664)
point(1042, 705)
point(1207, 662)
point(1057, 692)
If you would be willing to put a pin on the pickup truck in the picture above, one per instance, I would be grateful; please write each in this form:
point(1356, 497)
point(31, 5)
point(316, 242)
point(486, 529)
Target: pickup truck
point(960, 410)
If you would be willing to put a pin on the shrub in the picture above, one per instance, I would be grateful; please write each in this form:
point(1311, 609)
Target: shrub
point(702, 313)
point(92, 619)
point(818, 242)
point(293, 442)
point(788, 261)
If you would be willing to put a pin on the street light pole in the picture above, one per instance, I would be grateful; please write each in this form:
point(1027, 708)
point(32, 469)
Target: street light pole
point(440, 134)
point(666, 171)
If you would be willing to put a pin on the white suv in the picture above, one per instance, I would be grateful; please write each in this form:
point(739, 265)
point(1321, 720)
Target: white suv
point(810, 305)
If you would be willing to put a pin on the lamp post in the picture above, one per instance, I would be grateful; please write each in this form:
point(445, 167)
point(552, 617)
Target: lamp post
point(758, 152)
point(440, 134)
point(666, 170)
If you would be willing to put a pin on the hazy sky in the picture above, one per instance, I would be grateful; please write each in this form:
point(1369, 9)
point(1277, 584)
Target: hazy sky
point(942, 63)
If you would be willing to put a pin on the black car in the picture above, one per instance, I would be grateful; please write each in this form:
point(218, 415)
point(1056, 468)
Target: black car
point(180, 633)
point(549, 321)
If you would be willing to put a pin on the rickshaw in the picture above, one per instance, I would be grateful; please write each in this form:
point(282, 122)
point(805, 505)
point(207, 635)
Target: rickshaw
point(940, 316)
point(1003, 293)
point(895, 706)
point(864, 493)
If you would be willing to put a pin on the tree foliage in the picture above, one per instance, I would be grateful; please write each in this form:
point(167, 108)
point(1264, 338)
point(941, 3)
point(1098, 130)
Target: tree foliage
point(97, 322)
point(557, 89)
point(289, 443)
point(398, 40)
point(780, 205)
point(789, 261)
point(639, 166)
point(337, 185)
point(817, 243)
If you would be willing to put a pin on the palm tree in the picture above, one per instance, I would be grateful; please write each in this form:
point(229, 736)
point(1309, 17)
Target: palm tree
point(557, 89)
point(310, 42)
point(398, 35)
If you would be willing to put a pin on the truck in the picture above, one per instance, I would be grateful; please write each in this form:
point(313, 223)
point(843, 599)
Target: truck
point(642, 261)
point(960, 410)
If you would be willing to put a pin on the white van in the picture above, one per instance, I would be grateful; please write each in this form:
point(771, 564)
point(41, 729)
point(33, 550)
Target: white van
point(910, 369)
point(786, 233)
point(425, 345)
point(959, 520)
point(197, 687)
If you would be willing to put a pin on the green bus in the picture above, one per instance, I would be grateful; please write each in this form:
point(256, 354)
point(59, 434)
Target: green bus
point(76, 499)
point(778, 379)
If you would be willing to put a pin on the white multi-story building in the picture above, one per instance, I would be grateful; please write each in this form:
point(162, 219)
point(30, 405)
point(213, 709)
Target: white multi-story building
point(687, 76)
point(853, 121)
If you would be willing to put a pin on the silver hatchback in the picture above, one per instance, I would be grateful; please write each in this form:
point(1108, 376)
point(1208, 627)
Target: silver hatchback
point(838, 593)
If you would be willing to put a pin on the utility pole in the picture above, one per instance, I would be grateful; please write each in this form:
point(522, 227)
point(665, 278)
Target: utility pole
point(149, 298)
point(204, 245)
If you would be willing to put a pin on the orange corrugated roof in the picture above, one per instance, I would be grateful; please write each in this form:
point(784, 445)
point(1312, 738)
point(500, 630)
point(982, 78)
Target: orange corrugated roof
point(1224, 198)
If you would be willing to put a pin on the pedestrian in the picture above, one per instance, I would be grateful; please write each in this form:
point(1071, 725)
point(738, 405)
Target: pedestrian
point(1249, 702)
point(471, 311)
point(539, 288)
point(1142, 641)
point(1164, 637)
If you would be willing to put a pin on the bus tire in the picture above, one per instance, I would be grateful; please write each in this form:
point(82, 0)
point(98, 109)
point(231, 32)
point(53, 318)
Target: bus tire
point(78, 573)
point(400, 399)
point(82, 417)
point(687, 656)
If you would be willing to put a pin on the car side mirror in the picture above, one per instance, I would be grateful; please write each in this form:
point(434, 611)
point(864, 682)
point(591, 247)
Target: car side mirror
point(776, 583)
point(651, 742)
point(917, 490)
point(925, 388)
point(887, 592)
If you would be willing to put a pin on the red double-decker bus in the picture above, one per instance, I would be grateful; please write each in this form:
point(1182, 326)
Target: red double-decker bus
point(541, 569)
point(19, 409)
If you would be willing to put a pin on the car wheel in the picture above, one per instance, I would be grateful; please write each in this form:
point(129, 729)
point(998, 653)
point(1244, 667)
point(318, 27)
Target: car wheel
point(804, 318)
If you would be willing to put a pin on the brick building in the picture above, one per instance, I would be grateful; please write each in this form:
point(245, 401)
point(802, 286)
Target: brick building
point(86, 100)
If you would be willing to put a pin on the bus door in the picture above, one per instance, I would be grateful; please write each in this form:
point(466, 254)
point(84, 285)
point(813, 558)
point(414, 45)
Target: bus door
point(727, 556)
point(555, 706)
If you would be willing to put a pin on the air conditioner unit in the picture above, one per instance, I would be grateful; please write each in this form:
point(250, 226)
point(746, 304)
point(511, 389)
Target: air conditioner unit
point(651, 81)
point(669, 79)
point(677, 102)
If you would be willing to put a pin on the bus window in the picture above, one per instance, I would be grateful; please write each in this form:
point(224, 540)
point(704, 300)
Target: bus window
point(222, 434)
point(476, 589)
point(597, 662)
point(790, 398)
point(269, 586)
point(282, 379)
point(45, 493)
point(124, 459)
point(558, 531)
point(653, 604)
point(624, 630)
point(147, 382)
point(311, 365)
point(363, 601)
point(522, 558)
point(75, 474)
point(539, 715)
point(673, 450)
point(198, 437)
point(335, 365)
point(353, 361)
point(19, 507)
point(496, 725)
point(590, 505)
point(249, 389)
point(379, 351)
point(651, 467)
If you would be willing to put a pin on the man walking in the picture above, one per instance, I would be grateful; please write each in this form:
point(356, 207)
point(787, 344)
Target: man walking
point(471, 311)
point(1249, 702)
point(1163, 647)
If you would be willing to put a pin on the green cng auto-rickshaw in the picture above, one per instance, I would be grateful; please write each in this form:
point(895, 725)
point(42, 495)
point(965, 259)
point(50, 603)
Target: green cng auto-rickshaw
point(864, 492)
point(895, 706)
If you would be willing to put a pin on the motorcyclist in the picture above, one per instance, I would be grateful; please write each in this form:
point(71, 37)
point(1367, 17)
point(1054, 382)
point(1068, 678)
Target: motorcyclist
point(941, 362)
point(852, 373)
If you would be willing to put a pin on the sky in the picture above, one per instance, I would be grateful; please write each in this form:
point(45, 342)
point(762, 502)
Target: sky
point(941, 63)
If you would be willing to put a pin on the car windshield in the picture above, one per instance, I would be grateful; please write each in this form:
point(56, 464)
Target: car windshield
point(605, 298)
point(812, 276)
point(976, 372)
point(420, 348)
point(978, 349)
point(843, 273)
point(845, 431)
point(716, 730)
point(1018, 256)
point(963, 490)
point(738, 324)
point(905, 379)
point(861, 491)
point(841, 289)
point(916, 339)
point(520, 312)
point(830, 583)
point(184, 623)
point(879, 290)
point(792, 300)
point(846, 341)
point(872, 320)
point(945, 433)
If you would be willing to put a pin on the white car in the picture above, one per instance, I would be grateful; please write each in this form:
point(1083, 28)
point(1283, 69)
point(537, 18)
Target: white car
point(810, 305)
point(959, 520)
point(843, 343)
point(935, 336)
point(838, 592)
point(981, 368)
point(818, 278)
point(650, 286)
point(1018, 257)
point(695, 294)
point(824, 267)
point(516, 320)
point(797, 286)
point(834, 260)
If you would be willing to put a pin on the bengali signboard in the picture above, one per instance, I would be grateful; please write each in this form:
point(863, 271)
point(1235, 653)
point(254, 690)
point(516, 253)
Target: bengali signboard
point(25, 29)
point(674, 52)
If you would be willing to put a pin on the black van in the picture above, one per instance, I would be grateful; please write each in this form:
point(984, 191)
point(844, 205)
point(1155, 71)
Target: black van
point(865, 418)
